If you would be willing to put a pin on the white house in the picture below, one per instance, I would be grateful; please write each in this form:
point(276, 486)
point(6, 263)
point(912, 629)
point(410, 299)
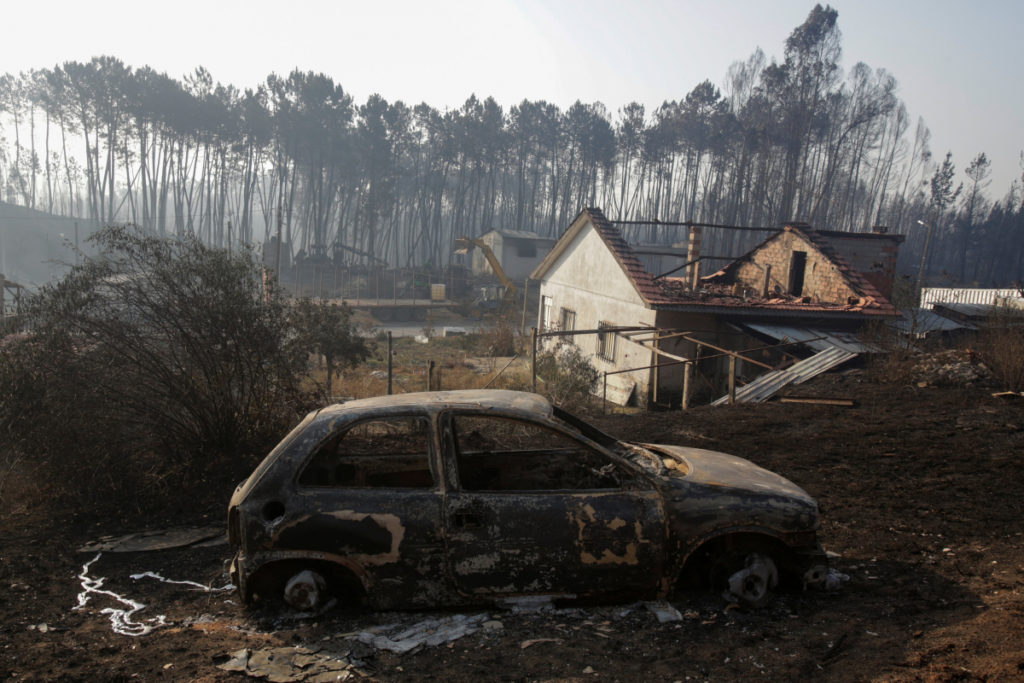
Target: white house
point(592, 280)
point(518, 252)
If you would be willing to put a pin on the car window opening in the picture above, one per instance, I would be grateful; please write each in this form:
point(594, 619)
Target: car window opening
point(500, 454)
point(382, 453)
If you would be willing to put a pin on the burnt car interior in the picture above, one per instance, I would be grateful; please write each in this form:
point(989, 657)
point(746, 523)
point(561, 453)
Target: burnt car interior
point(379, 453)
point(499, 454)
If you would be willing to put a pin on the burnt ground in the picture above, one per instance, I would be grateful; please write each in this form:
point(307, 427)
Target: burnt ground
point(921, 492)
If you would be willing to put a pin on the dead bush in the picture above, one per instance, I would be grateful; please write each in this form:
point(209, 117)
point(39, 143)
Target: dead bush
point(893, 356)
point(1001, 348)
point(500, 340)
point(159, 363)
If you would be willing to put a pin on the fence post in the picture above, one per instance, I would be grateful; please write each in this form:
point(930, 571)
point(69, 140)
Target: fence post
point(533, 361)
point(732, 379)
point(390, 363)
point(430, 375)
point(687, 371)
point(604, 396)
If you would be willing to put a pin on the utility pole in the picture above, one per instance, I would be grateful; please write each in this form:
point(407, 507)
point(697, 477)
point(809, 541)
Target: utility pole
point(924, 258)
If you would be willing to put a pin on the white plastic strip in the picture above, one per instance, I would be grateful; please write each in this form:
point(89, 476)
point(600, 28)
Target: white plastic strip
point(206, 589)
point(121, 620)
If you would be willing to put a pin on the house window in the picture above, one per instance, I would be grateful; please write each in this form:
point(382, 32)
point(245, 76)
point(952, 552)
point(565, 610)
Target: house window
point(567, 322)
point(526, 250)
point(546, 308)
point(606, 342)
point(797, 268)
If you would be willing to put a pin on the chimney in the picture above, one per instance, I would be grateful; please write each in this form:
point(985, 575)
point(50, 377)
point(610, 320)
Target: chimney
point(693, 254)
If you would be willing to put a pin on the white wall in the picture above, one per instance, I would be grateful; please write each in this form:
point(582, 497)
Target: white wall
point(586, 278)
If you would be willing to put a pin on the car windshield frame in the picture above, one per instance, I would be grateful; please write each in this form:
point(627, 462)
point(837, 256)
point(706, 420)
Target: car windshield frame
point(585, 428)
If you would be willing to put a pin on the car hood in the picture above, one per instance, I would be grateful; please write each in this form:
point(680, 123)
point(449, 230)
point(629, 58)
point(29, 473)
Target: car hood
point(711, 468)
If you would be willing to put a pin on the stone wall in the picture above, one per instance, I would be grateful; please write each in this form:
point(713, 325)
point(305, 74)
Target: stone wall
point(823, 281)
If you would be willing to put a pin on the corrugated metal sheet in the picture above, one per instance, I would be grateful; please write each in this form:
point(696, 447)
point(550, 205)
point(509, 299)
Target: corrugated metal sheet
point(768, 384)
point(817, 340)
point(963, 295)
point(923, 322)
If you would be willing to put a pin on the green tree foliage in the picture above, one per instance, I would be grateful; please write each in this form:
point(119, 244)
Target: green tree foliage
point(566, 376)
point(326, 329)
point(160, 351)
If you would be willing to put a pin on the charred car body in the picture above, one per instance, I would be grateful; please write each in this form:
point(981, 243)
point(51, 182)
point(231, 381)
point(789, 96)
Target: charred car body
point(475, 496)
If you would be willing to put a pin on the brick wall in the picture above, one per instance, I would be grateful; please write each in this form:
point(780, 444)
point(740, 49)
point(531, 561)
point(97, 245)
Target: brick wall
point(822, 279)
point(874, 256)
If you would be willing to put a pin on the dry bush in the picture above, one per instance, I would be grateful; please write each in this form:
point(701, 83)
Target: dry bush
point(500, 340)
point(158, 365)
point(1001, 347)
point(895, 354)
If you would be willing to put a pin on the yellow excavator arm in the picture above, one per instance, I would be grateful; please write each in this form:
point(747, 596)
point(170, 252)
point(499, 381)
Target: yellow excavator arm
point(506, 282)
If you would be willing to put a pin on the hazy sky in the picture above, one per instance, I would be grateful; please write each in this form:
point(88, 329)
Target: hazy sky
point(958, 63)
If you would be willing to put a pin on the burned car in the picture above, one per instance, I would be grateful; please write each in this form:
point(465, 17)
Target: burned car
point(457, 497)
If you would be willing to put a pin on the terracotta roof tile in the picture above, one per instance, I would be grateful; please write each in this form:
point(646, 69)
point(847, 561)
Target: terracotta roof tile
point(673, 292)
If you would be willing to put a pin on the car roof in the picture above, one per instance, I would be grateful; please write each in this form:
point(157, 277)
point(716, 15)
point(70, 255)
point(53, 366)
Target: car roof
point(497, 399)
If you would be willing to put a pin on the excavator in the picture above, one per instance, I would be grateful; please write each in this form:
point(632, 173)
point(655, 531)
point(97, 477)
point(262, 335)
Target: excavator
point(468, 243)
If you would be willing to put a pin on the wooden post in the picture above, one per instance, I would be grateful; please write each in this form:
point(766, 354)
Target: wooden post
point(687, 371)
point(430, 375)
point(390, 364)
point(655, 371)
point(533, 361)
point(604, 396)
point(526, 290)
point(732, 380)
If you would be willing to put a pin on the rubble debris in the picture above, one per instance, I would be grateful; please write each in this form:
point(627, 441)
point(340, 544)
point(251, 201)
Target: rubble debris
point(835, 579)
point(954, 367)
point(820, 401)
point(402, 639)
point(529, 604)
point(286, 664)
point(665, 612)
point(159, 539)
point(534, 641)
point(121, 620)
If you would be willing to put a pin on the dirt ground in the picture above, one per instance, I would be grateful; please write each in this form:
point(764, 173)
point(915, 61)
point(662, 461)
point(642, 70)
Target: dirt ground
point(921, 496)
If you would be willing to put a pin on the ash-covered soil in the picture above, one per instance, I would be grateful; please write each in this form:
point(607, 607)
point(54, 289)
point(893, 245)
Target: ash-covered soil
point(922, 493)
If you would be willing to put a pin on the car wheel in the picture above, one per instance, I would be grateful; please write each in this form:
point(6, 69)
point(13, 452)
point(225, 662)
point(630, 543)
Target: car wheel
point(745, 578)
point(305, 591)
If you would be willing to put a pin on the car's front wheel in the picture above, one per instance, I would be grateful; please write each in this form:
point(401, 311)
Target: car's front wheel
point(748, 579)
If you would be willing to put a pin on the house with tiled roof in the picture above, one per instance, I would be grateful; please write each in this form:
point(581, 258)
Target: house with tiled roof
point(518, 251)
point(644, 329)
